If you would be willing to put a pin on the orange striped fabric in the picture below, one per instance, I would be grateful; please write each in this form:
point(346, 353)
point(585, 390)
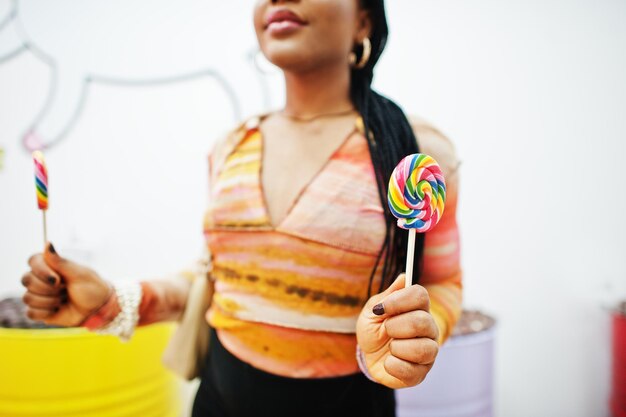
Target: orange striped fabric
point(287, 297)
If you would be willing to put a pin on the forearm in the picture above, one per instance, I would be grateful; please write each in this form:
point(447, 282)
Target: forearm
point(442, 275)
point(163, 300)
point(445, 305)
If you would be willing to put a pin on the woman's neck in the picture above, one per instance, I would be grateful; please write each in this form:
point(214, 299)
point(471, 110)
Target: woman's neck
point(322, 91)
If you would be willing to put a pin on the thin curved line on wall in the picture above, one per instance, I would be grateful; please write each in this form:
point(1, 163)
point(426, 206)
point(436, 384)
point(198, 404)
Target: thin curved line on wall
point(10, 16)
point(261, 77)
point(12, 54)
point(28, 44)
point(91, 79)
point(95, 79)
point(52, 89)
point(208, 72)
point(72, 120)
point(26, 40)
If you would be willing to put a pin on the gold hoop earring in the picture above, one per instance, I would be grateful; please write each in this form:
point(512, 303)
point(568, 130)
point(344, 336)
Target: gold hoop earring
point(365, 56)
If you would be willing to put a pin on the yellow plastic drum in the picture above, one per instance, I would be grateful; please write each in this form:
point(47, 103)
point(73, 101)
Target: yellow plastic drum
point(72, 372)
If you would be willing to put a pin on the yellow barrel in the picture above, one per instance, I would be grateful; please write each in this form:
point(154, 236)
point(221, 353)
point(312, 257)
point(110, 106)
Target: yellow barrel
point(72, 372)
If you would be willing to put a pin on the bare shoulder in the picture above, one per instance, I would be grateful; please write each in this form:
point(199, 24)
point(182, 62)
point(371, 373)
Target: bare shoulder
point(433, 142)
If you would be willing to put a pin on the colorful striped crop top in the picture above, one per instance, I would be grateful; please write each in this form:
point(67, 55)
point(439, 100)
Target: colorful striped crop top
point(287, 297)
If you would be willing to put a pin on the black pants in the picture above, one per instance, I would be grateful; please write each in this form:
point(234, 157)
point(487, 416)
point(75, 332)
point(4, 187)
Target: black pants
point(230, 387)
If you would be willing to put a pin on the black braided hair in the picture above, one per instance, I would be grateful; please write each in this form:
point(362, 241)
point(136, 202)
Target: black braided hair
point(390, 138)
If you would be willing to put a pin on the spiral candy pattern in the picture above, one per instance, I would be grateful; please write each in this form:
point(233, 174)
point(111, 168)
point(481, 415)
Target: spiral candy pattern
point(41, 180)
point(417, 193)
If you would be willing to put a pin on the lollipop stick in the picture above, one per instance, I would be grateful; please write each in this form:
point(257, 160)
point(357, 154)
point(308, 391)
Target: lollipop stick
point(409, 259)
point(45, 228)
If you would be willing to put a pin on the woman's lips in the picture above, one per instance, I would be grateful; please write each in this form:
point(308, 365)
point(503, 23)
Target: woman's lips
point(282, 22)
point(283, 27)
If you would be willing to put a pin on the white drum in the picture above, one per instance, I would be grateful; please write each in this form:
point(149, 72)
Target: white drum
point(460, 383)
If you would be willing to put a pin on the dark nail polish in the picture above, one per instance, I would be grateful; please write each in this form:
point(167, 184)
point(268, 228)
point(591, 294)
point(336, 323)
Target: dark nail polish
point(51, 249)
point(378, 309)
point(52, 280)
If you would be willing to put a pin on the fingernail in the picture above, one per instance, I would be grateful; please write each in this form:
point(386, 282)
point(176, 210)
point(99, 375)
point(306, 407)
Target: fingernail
point(52, 280)
point(378, 309)
point(51, 249)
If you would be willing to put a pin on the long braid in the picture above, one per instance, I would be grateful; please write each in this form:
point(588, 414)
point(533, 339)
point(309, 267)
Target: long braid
point(390, 138)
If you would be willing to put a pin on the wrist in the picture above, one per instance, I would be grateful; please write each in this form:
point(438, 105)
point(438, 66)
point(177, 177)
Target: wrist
point(104, 314)
point(125, 301)
point(360, 360)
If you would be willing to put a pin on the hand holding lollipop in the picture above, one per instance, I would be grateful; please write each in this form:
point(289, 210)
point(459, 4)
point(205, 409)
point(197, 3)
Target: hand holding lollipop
point(59, 291)
point(416, 196)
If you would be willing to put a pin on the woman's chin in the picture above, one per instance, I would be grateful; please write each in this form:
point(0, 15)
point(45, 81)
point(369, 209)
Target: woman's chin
point(288, 57)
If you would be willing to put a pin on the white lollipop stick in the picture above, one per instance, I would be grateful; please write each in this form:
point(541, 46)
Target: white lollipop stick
point(45, 228)
point(408, 280)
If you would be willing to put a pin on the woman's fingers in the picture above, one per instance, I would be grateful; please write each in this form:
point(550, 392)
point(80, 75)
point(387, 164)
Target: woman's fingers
point(420, 351)
point(45, 293)
point(42, 270)
point(43, 301)
point(403, 300)
point(417, 323)
point(409, 373)
point(39, 314)
point(40, 286)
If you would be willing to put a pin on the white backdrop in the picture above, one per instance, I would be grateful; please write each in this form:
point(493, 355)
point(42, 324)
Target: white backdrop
point(531, 92)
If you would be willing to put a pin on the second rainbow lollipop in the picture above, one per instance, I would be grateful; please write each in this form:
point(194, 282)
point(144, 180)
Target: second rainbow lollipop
point(416, 197)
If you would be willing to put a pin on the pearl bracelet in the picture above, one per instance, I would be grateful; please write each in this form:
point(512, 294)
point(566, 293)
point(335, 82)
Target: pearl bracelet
point(123, 325)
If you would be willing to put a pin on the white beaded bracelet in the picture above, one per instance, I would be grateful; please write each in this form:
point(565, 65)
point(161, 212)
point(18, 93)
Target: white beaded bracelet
point(123, 325)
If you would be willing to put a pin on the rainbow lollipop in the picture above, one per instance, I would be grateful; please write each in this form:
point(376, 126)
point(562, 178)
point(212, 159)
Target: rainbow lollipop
point(416, 196)
point(41, 185)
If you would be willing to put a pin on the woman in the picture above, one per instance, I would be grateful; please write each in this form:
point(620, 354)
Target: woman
point(300, 237)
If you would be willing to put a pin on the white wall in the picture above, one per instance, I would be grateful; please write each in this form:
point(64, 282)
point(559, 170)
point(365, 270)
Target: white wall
point(533, 95)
